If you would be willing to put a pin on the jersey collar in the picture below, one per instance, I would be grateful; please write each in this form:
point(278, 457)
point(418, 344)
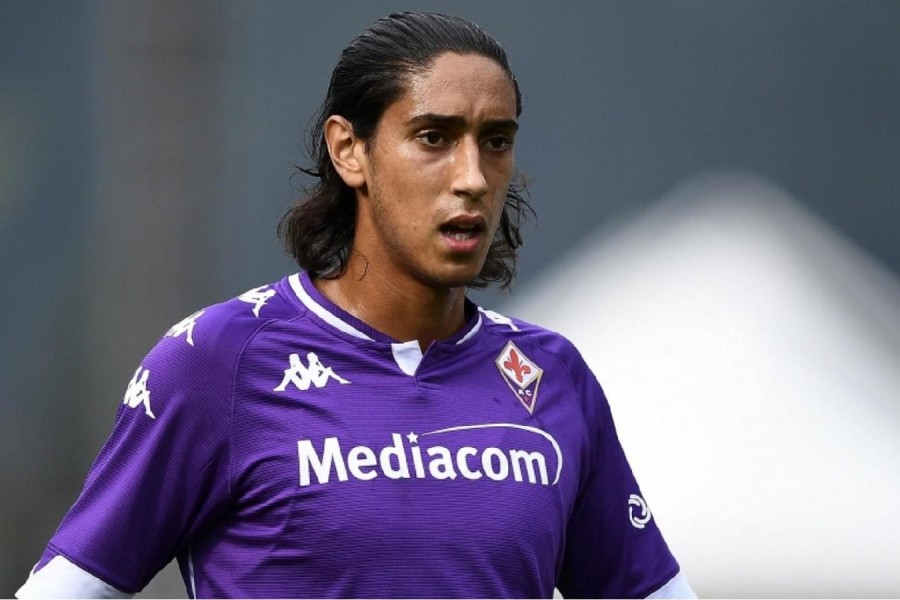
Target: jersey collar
point(341, 320)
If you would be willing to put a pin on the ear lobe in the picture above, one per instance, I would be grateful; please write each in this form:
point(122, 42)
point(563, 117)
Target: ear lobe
point(345, 150)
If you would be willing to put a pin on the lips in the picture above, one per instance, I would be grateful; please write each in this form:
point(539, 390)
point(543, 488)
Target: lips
point(464, 226)
point(463, 232)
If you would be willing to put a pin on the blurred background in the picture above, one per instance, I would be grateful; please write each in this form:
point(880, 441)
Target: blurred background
point(718, 192)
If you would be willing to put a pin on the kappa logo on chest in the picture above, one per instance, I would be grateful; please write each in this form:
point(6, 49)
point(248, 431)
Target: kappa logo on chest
point(313, 374)
point(521, 374)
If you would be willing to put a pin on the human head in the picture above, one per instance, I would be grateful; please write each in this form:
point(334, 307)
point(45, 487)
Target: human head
point(371, 74)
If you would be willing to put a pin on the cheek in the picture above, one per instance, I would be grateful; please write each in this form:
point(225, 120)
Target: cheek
point(499, 171)
point(398, 207)
point(500, 188)
point(412, 180)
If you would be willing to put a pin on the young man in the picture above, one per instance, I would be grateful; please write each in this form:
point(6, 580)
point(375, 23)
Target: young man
point(361, 428)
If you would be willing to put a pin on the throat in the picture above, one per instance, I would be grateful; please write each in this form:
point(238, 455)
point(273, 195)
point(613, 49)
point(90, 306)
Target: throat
point(404, 313)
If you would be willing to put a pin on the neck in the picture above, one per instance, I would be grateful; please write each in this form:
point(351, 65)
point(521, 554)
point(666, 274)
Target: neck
point(401, 307)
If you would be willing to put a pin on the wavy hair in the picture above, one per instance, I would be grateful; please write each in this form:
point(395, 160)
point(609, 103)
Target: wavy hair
point(372, 73)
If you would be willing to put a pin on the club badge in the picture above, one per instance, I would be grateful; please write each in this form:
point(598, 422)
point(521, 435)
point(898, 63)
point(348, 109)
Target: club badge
point(521, 375)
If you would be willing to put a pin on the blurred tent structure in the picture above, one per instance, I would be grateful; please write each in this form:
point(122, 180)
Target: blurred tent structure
point(751, 356)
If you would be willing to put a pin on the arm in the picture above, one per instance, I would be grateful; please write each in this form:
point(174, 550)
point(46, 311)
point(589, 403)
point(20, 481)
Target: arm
point(613, 545)
point(60, 578)
point(160, 477)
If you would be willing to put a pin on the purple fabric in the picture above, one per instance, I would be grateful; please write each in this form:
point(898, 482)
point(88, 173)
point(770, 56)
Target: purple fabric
point(270, 476)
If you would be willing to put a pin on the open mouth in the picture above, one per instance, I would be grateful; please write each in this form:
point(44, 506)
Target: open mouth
point(462, 232)
point(464, 227)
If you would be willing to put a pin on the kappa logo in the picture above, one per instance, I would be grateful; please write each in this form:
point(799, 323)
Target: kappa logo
point(257, 297)
point(521, 375)
point(137, 393)
point(638, 511)
point(303, 377)
point(186, 325)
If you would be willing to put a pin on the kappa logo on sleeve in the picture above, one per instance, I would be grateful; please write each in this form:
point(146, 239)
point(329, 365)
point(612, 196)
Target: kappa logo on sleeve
point(186, 325)
point(257, 297)
point(137, 393)
point(521, 374)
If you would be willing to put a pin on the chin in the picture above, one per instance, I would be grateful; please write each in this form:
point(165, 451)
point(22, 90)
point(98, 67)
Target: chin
point(454, 277)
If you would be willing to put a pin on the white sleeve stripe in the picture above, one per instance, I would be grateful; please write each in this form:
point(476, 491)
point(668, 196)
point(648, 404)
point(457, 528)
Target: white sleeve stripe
point(60, 578)
point(191, 571)
point(677, 587)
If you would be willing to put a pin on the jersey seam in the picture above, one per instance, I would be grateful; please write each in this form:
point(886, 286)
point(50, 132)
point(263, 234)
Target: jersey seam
point(237, 366)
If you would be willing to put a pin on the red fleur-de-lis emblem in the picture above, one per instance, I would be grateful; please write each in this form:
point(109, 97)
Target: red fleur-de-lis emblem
point(521, 374)
point(514, 364)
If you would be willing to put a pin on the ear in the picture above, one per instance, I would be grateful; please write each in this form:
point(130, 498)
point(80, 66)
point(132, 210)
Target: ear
point(348, 153)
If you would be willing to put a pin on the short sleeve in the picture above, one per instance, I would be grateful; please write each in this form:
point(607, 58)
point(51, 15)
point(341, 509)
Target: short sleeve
point(613, 547)
point(162, 476)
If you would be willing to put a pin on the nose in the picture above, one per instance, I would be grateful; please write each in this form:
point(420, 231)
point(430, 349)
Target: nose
point(468, 176)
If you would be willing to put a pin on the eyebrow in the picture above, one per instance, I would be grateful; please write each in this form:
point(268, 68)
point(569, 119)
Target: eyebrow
point(459, 122)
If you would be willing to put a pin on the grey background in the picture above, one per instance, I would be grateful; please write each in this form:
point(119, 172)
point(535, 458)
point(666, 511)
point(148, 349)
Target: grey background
point(147, 152)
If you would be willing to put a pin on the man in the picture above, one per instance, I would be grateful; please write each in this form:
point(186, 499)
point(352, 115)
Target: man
point(361, 428)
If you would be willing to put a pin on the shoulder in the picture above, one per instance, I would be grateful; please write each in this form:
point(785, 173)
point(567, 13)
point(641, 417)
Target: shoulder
point(198, 356)
point(528, 336)
point(537, 346)
point(223, 329)
point(543, 347)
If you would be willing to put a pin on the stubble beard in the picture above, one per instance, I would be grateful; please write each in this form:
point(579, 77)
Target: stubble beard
point(407, 259)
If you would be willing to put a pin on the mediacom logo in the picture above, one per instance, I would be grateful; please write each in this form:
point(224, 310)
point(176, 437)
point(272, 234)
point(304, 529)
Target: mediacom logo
point(404, 458)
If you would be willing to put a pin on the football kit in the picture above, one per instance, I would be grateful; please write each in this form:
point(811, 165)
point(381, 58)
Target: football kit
point(279, 447)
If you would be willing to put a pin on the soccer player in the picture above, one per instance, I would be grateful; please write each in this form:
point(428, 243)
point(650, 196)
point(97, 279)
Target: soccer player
point(361, 428)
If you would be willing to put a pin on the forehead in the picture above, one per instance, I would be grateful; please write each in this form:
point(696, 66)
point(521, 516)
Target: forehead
point(467, 85)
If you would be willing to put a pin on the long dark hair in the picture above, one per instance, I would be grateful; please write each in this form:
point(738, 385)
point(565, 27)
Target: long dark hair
point(371, 74)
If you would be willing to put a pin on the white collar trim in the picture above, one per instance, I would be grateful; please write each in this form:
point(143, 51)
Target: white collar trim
point(321, 312)
point(472, 331)
point(407, 355)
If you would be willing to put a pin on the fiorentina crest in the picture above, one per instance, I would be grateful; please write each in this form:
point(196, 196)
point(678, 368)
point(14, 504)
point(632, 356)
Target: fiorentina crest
point(521, 375)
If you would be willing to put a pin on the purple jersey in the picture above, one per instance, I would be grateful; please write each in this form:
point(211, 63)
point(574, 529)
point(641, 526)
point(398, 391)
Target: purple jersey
point(279, 447)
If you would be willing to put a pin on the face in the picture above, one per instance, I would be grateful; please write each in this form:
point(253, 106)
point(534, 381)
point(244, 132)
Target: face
point(437, 173)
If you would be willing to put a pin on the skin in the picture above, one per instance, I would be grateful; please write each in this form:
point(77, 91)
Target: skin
point(442, 151)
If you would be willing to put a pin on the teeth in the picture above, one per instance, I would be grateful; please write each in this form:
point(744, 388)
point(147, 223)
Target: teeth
point(461, 235)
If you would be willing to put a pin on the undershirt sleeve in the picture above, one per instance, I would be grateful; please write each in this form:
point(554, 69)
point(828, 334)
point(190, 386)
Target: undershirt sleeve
point(59, 578)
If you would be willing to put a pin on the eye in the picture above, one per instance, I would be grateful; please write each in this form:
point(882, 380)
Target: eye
point(432, 138)
point(498, 143)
